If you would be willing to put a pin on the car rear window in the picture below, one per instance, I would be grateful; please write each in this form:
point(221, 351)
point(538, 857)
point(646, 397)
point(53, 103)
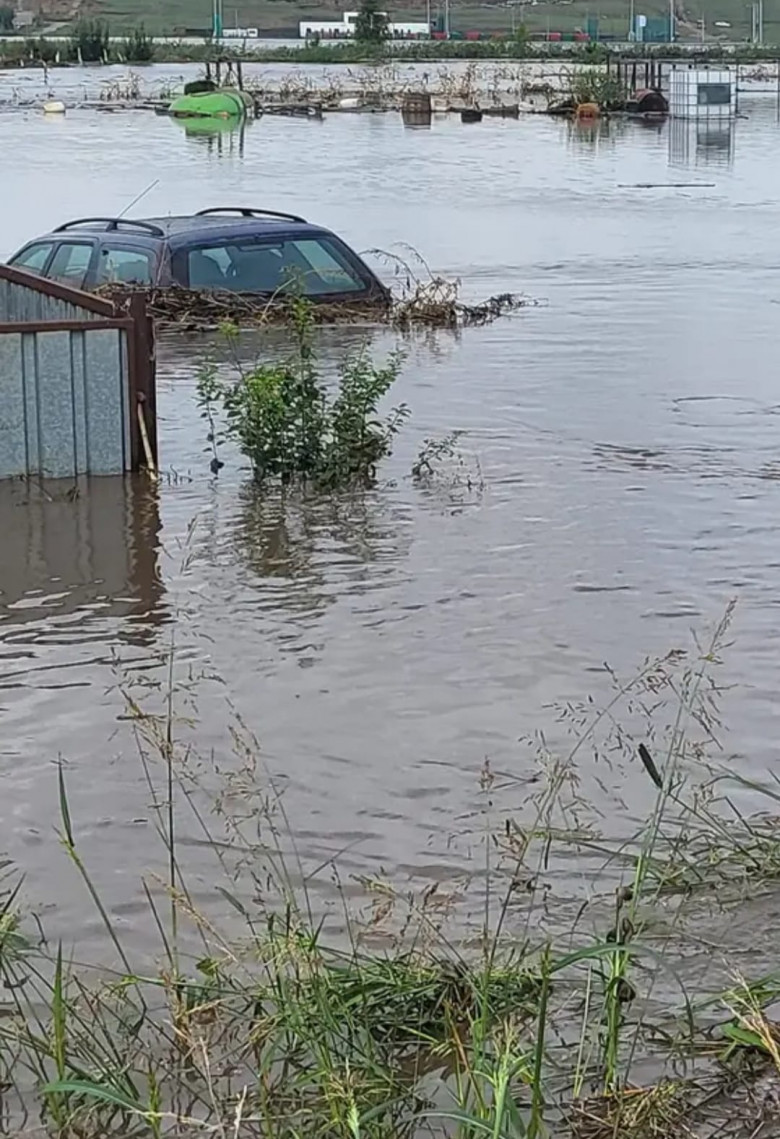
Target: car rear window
point(312, 266)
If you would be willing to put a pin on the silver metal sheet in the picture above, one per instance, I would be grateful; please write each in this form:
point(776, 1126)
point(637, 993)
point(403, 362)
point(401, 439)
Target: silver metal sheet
point(64, 403)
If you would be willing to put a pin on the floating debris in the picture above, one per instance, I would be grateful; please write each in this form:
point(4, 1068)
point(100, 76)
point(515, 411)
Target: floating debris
point(436, 304)
point(666, 185)
point(430, 304)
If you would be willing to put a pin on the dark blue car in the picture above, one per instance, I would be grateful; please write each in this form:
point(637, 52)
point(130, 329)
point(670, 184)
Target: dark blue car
point(238, 250)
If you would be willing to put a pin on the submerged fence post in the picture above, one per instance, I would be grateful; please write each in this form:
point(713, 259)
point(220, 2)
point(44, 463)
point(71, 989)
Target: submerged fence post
point(143, 386)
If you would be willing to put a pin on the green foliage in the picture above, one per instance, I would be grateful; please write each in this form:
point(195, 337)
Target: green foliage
point(371, 25)
point(405, 1026)
point(42, 50)
point(597, 87)
point(17, 53)
point(90, 41)
point(432, 453)
point(138, 47)
point(6, 18)
point(291, 428)
point(13, 944)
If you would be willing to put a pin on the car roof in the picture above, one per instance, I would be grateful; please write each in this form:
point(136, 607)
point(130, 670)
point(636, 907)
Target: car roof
point(186, 224)
point(182, 229)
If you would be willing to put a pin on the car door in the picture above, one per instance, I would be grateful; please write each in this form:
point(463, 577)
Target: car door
point(123, 263)
point(71, 263)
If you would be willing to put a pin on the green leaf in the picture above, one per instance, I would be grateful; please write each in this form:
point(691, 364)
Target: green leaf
point(470, 1121)
point(64, 808)
point(743, 1036)
point(96, 1091)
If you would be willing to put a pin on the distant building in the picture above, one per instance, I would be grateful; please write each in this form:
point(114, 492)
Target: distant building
point(23, 21)
point(240, 33)
point(344, 29)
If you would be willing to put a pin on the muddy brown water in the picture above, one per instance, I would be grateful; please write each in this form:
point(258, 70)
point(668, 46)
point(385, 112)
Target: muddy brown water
point(627, 444)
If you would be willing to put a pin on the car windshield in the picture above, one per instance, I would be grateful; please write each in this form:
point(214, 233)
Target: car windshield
point(311, 266)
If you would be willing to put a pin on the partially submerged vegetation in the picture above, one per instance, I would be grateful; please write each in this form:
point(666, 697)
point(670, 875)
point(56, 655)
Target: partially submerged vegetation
point(90, 41)
point(288, 424)
point(559, 1005)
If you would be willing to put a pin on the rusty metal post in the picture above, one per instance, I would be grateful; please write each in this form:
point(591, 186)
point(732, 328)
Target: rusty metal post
point(141, 367)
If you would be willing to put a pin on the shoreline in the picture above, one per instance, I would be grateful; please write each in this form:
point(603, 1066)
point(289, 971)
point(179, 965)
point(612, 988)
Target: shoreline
point(51, 53)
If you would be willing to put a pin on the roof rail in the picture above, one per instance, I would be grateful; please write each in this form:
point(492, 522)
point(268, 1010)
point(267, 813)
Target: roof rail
point(247, 212)
point(112, 224)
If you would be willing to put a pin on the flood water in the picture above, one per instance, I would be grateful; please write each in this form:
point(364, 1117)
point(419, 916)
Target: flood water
point(382, 646)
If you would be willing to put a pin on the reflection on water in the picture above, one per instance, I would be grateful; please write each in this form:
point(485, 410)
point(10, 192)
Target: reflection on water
point(701, 143)
point(417, 122)
point(590, 133)
point(73, 553)
point(304, 550)
point(223, 138)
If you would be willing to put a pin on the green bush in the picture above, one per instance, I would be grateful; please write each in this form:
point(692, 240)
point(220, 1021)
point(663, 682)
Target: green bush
point(90, 41)
point(138, 47)
point(291, 428)
point(41, 50)
point(597, 87)
point(6, 18)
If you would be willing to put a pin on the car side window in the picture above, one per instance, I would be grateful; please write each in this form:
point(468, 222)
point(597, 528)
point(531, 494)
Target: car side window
point(34, 257)
point(70, 263)
point(124, 266)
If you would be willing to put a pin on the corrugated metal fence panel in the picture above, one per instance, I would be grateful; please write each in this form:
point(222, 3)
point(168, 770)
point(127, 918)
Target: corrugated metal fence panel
point(18, 302)
point(64, 409)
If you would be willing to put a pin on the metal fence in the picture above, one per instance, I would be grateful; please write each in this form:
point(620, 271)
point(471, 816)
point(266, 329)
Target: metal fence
point(25, 297)
point(76, 381)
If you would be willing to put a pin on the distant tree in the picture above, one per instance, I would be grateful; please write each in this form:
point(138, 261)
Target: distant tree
point(138, 47)
point(371, 25)
point(90, 41)
point(6, 18)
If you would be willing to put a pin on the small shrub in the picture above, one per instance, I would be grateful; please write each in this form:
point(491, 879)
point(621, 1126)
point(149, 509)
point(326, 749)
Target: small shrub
point(39, 50)
point(138, 47)
point(596, 87)
point(291, 428)
point(90, 41)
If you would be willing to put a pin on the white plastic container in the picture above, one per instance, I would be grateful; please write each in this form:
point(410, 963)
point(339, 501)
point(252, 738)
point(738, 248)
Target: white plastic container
point(702, 92)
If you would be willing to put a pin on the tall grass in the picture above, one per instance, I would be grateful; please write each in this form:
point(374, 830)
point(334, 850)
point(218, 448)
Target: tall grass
point(284, 1032)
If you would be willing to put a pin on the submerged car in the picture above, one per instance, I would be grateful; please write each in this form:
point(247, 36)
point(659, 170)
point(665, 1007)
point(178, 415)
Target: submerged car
point(238, 250)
